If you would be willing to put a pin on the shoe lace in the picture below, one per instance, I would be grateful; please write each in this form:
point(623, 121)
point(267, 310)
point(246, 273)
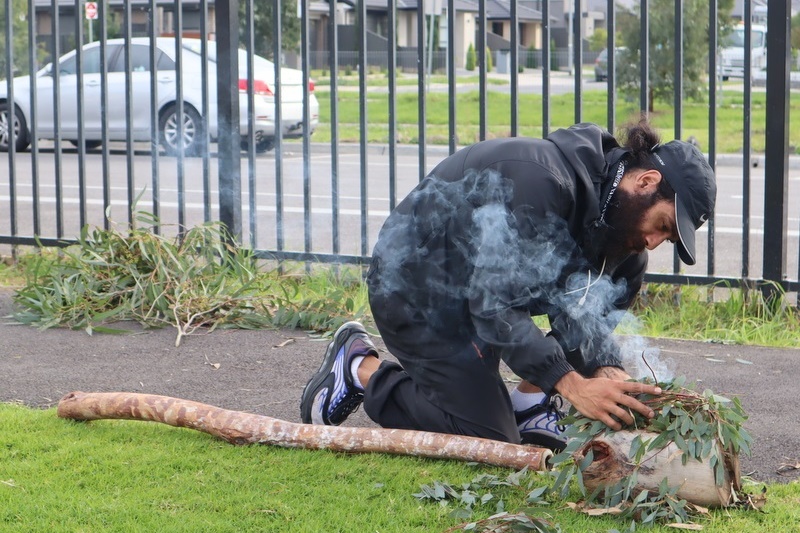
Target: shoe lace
point(347, 405)
point(555, 410)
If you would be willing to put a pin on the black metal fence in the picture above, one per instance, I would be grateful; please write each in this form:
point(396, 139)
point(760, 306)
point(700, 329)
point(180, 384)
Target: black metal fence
point(190, 140)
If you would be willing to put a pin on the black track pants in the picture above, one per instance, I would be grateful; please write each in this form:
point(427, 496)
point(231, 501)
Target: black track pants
point(444, 385)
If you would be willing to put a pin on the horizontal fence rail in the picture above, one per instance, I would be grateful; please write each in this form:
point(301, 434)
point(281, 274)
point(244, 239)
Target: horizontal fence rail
point(304, 141)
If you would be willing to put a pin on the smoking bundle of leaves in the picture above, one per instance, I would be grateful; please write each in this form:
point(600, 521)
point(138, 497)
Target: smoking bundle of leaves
point(704, 427)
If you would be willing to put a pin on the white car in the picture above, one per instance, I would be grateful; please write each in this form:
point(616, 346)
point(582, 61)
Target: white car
point(194, 123)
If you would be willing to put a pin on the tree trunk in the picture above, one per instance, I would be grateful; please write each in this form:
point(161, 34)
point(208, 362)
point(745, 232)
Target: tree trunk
point(696, 479)
point(244, 428)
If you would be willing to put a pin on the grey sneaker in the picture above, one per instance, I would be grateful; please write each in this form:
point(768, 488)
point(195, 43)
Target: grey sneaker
point(330, 396)
point(539, 425)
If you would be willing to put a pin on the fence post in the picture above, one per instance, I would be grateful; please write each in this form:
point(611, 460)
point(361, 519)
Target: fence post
point(776, 167)
point(229, 143)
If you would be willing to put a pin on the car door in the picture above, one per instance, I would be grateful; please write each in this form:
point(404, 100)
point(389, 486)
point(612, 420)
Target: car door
point(140, 93)
point(68, 100)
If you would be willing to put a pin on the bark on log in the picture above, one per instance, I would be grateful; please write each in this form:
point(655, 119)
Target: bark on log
point(244, 428)
point(696, 479)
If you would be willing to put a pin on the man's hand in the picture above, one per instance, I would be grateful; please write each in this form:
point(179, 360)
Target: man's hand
point(604, 398)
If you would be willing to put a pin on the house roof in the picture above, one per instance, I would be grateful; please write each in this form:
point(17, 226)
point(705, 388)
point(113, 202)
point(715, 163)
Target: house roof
point(406, 5)
point(501, 10)
point(495, 9)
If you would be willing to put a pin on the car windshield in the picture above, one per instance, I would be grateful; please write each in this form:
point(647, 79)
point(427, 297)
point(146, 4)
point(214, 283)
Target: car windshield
point(736, 39)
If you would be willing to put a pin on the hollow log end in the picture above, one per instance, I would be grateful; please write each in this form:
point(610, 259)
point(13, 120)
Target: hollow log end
point(63, 410)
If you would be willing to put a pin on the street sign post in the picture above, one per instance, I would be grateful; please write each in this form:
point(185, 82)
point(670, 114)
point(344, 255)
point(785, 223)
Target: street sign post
point(90, 9)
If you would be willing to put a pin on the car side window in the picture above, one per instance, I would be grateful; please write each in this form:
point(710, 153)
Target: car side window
point(140, 59)
point(91, 63)
point(164, 62)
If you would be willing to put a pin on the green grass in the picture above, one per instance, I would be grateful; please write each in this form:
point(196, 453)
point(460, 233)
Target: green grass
point(323, 80)
point(721, 315)
point(695, 117)
point(58, 475)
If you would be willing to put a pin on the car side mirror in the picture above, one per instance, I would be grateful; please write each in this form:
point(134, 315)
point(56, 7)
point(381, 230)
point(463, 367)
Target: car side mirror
point(47, 70)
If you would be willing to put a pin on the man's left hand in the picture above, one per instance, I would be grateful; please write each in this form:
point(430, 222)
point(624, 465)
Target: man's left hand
point(611, 372)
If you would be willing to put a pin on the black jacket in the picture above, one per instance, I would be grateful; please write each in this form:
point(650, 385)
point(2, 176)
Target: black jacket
point(507, 229)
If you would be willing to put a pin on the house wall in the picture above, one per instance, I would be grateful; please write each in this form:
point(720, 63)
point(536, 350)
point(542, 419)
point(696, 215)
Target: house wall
point(407, 28)
point(465, 35)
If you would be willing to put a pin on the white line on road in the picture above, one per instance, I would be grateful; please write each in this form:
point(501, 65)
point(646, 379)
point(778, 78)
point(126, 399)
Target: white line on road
point(373, 213)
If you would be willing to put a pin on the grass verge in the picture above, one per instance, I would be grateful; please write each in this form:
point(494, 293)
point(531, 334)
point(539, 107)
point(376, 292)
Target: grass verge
point(59, 475)
point(695, 117)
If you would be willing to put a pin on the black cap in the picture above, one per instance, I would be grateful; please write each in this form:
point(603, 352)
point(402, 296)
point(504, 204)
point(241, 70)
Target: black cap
point(691, 177)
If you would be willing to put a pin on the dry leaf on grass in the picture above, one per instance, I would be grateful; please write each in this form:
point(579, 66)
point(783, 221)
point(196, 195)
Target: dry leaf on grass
point(692, 527)
point(284, 343)
point(594, 511)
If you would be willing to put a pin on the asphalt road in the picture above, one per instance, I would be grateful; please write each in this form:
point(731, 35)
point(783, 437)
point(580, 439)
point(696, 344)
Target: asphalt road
point(264, 372)
point(307, 202)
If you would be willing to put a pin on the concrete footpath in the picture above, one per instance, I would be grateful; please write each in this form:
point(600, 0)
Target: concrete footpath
point(264, 372)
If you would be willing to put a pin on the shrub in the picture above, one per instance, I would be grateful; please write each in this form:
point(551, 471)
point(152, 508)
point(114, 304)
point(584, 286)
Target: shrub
point(471, 59)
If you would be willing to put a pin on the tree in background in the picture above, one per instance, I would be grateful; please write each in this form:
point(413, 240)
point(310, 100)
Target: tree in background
point(662, 47)
point(488, 57)
point(19, 38)
point(598, 40)
point(471, 58)
point(262, 27)
point(796, 32)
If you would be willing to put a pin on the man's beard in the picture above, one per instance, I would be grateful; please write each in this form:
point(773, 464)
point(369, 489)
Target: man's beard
point(624, 217)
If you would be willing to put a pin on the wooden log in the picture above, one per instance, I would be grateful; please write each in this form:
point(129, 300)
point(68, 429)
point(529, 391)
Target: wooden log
point(611, 462)
point(244, 428)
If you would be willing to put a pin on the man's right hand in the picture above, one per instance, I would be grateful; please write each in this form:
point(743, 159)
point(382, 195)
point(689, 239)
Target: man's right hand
point(604, 399)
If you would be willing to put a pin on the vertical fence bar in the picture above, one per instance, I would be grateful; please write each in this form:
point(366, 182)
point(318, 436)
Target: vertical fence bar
point(644, 58)
point(678, 98)
point(421, 97)
point(81, 103)
point(154, 129)
point(11, 121)
point(57, 169)
point(304, 58)
point(712, 117)
point(333, 60)
point(206, 110)
point(104, 14)
point(33, 61)
point(546, 68)
point(611, 65)
point(251, 121)
point(482, 96)
point(577, 59)
point(392, 63)
point(747, 151)
point(362, 104)
point(776, 156)
point(451, 75)
point(129, 109)
point(229, 141)
point(180, 113)
point(277, 42)
point(514, 69)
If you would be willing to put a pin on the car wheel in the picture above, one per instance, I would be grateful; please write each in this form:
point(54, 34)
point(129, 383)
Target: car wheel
point(21, 141)
point(192, 142)
point(89, 145)
point(264, 144)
